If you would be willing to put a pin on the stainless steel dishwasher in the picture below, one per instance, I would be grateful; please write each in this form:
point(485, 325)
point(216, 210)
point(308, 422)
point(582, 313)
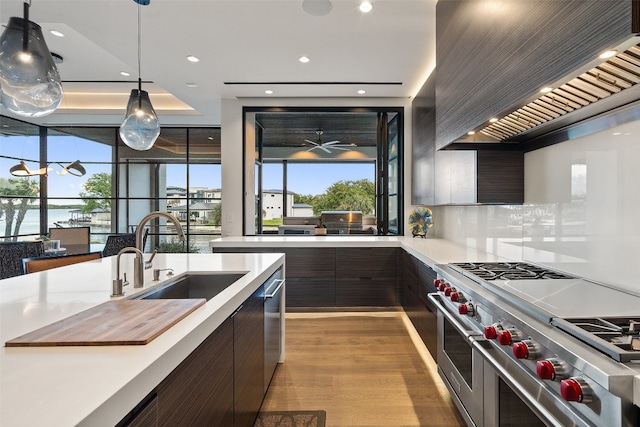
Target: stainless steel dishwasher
point(273, 325)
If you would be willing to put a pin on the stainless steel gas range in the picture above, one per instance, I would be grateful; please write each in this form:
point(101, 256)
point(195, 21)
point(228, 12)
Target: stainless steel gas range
point(521, 345)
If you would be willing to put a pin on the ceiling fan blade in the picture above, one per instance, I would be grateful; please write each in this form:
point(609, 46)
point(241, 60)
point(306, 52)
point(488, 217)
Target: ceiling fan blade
point(312, 142)
point(324, 148)
point(331, 142)
point(336, 147)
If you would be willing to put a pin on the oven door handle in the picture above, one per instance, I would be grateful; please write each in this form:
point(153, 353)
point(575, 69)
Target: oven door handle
point(435, 298)
point(531, 400)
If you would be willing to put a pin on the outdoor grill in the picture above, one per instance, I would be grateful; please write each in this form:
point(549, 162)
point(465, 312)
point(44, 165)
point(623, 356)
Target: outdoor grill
point(341, 222)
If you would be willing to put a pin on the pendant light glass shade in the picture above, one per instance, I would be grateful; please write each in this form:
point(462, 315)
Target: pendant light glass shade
point(30, 84)
point(141, 127)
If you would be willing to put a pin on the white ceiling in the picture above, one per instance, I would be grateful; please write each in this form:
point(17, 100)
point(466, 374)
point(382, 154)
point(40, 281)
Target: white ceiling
point(236, 41)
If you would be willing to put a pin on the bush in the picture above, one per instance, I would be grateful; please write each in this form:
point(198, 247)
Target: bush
point(176, 247)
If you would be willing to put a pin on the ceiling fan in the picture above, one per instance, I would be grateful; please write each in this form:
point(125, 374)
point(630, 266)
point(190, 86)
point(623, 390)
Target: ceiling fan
point(326, 146)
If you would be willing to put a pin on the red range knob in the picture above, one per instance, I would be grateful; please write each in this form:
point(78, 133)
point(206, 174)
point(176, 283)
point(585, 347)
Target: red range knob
point(443, 286)
point(449, 291)
point(491, 332)
point(455, 296)
point(504, 337)
point(524, 349)
point(575, 390)
point(466, 309)
point(550, 369)
point(436, 283)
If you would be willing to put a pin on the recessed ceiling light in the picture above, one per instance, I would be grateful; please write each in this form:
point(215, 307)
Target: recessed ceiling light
point(493, 120)
point(362, 91)
point(608, 54)
point(268, 92)
point(192, 84)
point(617, 133)
point(210, 138)
point(304, 59)
point(192, 58)
point(124, 73)
point(57, 33)
point(546, 89)
point(471, 132)
point(317, 7)
point(366, 7)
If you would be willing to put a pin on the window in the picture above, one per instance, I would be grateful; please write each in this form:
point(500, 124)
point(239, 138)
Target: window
point(346, 159)
point(180, 174)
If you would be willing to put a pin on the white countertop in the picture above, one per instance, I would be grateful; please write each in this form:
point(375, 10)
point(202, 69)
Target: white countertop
point(431, 251)
point(96, 386)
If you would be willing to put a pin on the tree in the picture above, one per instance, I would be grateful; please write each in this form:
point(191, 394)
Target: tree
point(216, 214)
point(304, 198)
point(347, 196)
point(98, 194)
point(22, 191)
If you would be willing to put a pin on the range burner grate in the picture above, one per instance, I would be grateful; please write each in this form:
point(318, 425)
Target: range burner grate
point(508, 271)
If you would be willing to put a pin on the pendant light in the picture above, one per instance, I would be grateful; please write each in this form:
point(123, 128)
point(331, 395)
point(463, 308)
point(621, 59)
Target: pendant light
point(140, 127)
point(21, 169)
point(30, 84)
point(73, 168)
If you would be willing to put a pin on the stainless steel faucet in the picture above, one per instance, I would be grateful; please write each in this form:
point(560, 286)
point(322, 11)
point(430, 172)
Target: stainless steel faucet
point(154, 215)
point(138, 271)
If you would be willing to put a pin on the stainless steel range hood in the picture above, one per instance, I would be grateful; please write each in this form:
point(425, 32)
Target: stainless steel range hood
point(598, 87)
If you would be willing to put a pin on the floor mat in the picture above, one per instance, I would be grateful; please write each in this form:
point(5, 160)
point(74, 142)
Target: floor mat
point(291, 419)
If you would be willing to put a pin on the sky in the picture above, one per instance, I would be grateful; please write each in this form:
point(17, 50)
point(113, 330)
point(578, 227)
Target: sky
point(303, 178)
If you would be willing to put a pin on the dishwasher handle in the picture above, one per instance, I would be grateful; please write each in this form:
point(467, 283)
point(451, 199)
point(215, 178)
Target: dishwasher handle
point(276, 290)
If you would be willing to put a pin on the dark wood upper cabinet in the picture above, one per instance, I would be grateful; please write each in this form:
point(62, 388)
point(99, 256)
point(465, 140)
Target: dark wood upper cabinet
point(493, 55)
point(443, 177)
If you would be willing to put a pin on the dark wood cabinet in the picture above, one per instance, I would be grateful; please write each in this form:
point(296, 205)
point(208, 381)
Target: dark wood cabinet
point(493, 58)
point(459, 176)
point(366, 277)
point(200, 390)
point(311, 277)
point(248, 360)
point(418, 281)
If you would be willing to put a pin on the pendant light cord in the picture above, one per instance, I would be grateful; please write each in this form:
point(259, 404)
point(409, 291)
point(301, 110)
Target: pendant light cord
point(139, 49)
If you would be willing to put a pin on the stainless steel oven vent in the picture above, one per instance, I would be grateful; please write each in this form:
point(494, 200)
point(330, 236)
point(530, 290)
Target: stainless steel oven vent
point(612, 76)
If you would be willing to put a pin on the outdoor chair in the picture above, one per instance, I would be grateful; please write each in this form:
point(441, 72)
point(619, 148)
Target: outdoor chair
point(33, 265)
point(76, 240)
point(117, 242)
point(11, 254)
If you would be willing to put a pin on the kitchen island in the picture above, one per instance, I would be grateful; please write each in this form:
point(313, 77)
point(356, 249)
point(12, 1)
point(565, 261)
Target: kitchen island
point(99, 385)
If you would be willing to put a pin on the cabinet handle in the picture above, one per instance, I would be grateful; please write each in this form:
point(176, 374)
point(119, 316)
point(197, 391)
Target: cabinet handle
point(237, 310)
point(275, 291)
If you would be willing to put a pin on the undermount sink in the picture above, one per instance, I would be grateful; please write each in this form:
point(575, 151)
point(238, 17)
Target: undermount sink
point(193, 286)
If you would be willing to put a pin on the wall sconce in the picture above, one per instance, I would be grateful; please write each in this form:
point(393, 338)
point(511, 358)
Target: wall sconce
point(140, 127)
point(30, 84)
point(73, 168)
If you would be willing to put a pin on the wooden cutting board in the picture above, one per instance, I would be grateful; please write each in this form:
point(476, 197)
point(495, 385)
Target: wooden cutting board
point(124, 322)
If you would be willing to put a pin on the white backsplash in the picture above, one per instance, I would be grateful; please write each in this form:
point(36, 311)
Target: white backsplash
point(581, 211)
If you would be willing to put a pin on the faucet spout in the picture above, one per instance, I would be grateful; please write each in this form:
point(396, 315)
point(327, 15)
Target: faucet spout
point(154, 215)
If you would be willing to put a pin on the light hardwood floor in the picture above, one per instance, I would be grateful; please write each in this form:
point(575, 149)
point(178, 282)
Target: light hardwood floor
point(363, 369)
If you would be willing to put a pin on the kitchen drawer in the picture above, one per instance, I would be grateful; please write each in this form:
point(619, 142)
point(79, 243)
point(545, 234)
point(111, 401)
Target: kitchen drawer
point(424, 320)
point(310, 262)
point(365, 292)
point(307, 292)
point(365, 262)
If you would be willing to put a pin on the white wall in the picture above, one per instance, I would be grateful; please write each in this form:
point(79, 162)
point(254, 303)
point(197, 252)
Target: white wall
point(231, 134)
point(580, 215)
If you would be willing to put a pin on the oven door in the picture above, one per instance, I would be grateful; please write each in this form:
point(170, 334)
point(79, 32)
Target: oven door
point(459, 364)
point(513, 397)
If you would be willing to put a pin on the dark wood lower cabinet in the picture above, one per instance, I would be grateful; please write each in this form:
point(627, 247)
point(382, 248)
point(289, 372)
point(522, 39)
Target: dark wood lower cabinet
point(366, 291)
point(311, 292)
point(248, 359)
point(143, 415)
point(200, 390)
point(418, 282)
